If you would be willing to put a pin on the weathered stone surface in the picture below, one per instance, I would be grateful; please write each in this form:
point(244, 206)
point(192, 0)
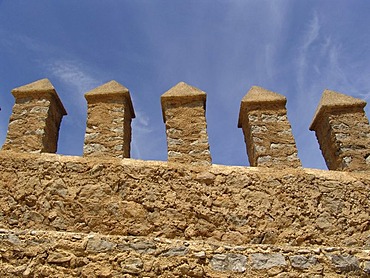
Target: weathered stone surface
point(303, 262)
point(143, 247)
point(267, 131)
point(35, 120)
point(229, 262)
point(96, 244)
point(52, 254)
point(109, 115)
point(229, 203)
point(59, 257)
point(342, 130)
point(366, 267)
point(132, 265)
point(344, 263)
point(266, 261)
point(178, 251)
point(183, 108)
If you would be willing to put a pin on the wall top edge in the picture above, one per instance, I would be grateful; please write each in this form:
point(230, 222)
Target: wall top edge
point(8, 155)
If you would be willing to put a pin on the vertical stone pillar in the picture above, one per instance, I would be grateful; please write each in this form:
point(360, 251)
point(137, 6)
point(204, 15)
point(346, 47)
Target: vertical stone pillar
point(343, 132)
point(35, 120)
point(109, 115)
point(267, 131)
point(183, 108)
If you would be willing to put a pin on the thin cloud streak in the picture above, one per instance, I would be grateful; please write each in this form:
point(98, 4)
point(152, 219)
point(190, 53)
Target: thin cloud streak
point(141, 131)
point(221, 47)
point(73, 75)
point(310, 36)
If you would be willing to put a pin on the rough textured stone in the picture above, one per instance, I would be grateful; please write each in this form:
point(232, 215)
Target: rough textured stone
point(132, 265)
point(366, 267)
point(56, 254)
point(266, 261)
point(229, 203)
point(183, 108)
point(178, 251)
point(229, 262)
point(342, 130)
point(266, 129)
point(109, 115)
point(35, 120)
point(303, 262)
point(344, 263)
point(95, 244)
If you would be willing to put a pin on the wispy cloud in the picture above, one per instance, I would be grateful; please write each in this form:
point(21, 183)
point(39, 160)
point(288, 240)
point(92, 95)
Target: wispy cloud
point(68, 69)
point(310, 36)
point(140, 130)
point(323, 62)
point(312, 32)
point(73, 74)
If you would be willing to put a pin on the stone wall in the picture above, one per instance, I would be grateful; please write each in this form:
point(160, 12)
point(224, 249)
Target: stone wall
point(102, 215)
point(59, 254)
point(142, 198)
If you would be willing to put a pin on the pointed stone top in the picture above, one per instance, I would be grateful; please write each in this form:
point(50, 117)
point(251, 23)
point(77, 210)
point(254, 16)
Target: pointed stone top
point(260, 98)
point(183, 91)
point(38, 89)
point(110, 88)
point(258, 94)
point(111, 91)
point(331, 100)
point(42, 85)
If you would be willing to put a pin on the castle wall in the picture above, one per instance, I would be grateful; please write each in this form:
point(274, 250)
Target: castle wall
point(102, 215)
point(142, 198)
point(60, 254)
point(194, 212)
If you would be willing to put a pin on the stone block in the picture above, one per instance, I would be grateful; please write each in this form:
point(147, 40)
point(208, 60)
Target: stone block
point(229, 262)
point(267, 260)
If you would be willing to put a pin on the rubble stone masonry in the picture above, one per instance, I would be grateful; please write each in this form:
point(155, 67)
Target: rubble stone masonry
point(241, 220)
point(183, 109)
point(343, 132)
point(35, 120)
point(105, 215)
point(109, 115)
point(267, 131)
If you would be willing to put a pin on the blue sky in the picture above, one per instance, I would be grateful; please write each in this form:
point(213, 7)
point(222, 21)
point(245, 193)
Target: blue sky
point(295, 48)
